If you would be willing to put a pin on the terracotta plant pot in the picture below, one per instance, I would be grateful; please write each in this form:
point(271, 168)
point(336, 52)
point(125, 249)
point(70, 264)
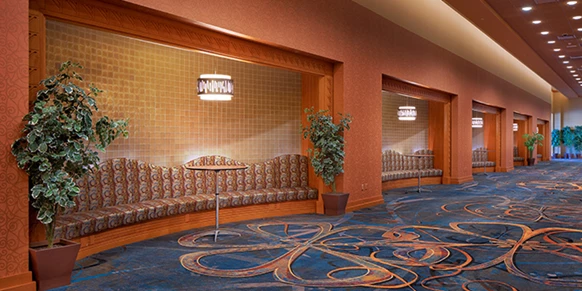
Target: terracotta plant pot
point(53, 267)
point(335, 203)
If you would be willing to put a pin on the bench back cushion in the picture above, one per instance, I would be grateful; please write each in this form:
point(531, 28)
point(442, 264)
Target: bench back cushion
point(395, 161)
point(123, 181)
point(480, 154)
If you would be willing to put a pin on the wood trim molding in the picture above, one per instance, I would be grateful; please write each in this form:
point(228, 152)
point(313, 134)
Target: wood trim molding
point(18, 282)
point(136, 22)
point(402, 87)
point(480, 107)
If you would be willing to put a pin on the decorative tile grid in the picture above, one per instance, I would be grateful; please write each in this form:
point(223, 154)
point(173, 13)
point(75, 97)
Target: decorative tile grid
point(155, 87)
point(403, 136)
point(478, 133)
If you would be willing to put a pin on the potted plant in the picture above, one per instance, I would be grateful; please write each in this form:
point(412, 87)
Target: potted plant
point(530, 142)
point(556, 140)
point(57, 147)
point(568, 140)
point(327, 154)
point(578, 140)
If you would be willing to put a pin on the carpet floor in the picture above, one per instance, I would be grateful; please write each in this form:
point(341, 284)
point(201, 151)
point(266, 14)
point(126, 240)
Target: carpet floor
point(504, 231)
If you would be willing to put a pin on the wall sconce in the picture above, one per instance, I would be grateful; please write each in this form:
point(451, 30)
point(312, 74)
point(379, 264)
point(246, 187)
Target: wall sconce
point(515, 127)
point(477, 122)
point(407, 113)
point(215, 87)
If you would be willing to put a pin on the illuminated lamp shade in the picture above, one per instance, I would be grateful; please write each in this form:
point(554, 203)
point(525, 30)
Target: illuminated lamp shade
point(477, 122)
point(515, 127)
point(407, 113)
point(215, 87)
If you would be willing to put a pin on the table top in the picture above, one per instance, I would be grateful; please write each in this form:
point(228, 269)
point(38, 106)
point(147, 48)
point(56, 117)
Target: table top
point(217, 167)
point(417, 155)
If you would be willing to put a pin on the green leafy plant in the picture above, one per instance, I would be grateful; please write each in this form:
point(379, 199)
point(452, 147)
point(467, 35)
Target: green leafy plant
point(578, 138)
point(56, 147)
point(568, 136)
point(327, 155)
point(556, 137)
point(531, 141)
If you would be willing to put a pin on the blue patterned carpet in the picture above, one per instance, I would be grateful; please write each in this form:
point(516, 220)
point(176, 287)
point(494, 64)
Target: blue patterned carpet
point(505, 231)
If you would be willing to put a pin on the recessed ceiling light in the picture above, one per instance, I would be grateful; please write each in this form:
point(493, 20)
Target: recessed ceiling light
point(569, 67)
point(577, 17)
point(556, 49)
point(577, 79)
point(526, 8)
point(572, 71)
point(570, 3)
point(536, 22)
point(551, 41)
point(545, 32)
point(566, 62)
point(579, 28)
point(561, 56)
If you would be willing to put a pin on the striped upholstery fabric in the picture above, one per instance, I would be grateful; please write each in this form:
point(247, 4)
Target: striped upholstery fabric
point(516, 157)
point(124, 191)
point(397, 166)
point(480, 158)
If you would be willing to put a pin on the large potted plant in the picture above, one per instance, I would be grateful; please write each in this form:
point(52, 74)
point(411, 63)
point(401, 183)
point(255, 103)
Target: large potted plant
point(568, 140)
point(578, 140)
point(57, 147)
point(556, 140)
point(327, 154)
point(530, 142)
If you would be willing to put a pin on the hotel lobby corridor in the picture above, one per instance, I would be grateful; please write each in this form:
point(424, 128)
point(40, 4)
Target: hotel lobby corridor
point(505, 231)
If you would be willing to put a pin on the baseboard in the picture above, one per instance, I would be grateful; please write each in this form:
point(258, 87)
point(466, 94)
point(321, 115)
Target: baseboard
point(459, 180)
point(480, 170)
point(363, 203)
point(18, 282)
point(518, 164)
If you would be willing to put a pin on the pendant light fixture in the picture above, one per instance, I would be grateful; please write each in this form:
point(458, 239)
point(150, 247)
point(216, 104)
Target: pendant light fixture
point(477, 122)
point(215, 87)
point(515, 127)
point(407, 113)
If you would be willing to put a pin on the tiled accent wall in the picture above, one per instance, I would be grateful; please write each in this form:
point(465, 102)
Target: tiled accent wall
point(403, 136)
point(478, 133)
point(155, 87)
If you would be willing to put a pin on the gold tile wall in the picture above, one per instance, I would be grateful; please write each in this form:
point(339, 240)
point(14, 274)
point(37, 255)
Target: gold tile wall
point(155, 87)
point(403, 136)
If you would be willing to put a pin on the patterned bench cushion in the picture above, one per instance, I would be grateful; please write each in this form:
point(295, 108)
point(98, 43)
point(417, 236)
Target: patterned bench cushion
point(480, 158)
point(516, 157)
point(87, 222)
point(395, 175)
point(483, 164)
point(124, 191)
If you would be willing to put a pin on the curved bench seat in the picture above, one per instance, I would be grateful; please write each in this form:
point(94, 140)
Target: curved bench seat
point(125, 192)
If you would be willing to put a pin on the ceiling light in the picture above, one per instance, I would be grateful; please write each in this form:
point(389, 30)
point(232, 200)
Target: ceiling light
point(577, 17)
point(572, 71)
point(566, 62)
point(577, 79)
point(551, 41)
point(569, 67)
point(536, 22)
point(545, 32)
point(407, 113)
point(570, 3)
point(575, 75)
point(477, 122)
point(561, 56)
point(556, 49)
point(526, 8)
point(215, 87)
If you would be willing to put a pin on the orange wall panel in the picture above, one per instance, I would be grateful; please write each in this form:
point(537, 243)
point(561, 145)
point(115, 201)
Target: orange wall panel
point(13, 106)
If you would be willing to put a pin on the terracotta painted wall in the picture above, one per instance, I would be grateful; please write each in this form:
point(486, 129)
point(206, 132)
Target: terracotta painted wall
point(13, 106)
point(368, 46)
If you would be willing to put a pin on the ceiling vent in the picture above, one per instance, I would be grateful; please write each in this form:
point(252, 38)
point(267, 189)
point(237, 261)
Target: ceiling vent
point(566, 36)
point(571, 46)
point(538, 2)
point(575, 57)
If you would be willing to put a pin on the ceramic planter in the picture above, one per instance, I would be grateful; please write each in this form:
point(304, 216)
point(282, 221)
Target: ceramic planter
point(53, 267)
point(334, 203)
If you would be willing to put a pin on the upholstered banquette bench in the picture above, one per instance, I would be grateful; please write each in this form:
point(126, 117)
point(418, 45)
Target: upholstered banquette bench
point(399, 170)
point(480, 161)
point(125, 192)
point(517, 160)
